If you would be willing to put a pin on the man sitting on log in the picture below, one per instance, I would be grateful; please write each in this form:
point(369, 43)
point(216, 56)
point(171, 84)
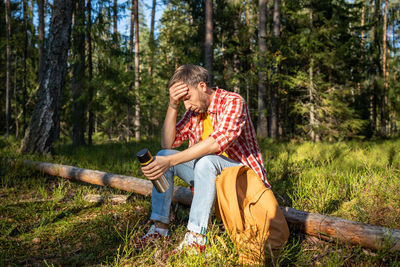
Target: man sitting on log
point(220, 132)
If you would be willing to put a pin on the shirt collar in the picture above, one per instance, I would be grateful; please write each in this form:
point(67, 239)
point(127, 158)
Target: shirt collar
point(212, 108)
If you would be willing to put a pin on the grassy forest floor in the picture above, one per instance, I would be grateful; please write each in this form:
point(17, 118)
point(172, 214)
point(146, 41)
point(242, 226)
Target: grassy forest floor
point(45, 220)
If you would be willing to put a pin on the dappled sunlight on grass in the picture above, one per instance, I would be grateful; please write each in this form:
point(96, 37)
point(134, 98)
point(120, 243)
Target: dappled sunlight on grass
point(330, 178)
point(45, 220)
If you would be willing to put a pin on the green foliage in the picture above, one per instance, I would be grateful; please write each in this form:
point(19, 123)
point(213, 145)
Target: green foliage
point(23, 73)
point(344, 58)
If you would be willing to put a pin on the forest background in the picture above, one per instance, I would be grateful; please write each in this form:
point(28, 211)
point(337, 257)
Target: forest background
point(316, 70)
point(320, 79)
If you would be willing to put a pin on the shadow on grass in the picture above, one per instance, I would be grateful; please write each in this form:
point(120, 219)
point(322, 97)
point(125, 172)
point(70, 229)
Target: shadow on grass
point(291, 252)
point(21, 229)
point(90, 239)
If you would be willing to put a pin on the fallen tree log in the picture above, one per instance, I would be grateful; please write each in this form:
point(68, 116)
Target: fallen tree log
point(337, 229)
point(127, 183)
point(325, 227)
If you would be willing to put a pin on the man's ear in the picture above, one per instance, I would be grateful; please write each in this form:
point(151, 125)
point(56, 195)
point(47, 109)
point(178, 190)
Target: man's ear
point(203, 86)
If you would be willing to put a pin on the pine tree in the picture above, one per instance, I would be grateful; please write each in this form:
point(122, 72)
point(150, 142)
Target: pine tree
point(262, 123)
point(8, 67)
point(78, 70)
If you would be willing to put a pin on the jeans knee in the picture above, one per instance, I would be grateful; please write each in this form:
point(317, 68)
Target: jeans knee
point(205, 165)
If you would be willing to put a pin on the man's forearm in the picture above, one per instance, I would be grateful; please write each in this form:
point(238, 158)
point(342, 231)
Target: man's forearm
point(206, 147)
point(169, 128)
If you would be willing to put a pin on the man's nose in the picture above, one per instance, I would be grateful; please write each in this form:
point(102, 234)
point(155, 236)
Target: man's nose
point(187, 104)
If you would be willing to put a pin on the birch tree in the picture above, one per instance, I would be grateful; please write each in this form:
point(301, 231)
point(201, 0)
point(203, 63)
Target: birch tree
point(44, 122)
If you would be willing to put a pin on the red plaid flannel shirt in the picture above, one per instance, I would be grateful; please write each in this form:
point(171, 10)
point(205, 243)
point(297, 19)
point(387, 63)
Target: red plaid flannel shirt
point(232, 130)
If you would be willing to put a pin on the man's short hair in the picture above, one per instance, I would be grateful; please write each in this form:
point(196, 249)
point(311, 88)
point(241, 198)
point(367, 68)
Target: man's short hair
point(192, 75)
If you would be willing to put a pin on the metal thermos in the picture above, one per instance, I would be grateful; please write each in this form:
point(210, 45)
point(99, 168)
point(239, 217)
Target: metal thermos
point(145, 158)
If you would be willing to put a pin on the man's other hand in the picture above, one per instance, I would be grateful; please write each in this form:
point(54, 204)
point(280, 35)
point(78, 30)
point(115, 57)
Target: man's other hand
point(158, 167)
point(178, 92)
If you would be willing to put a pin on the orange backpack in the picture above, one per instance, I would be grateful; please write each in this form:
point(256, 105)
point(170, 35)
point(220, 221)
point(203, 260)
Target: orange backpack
point(251, 214)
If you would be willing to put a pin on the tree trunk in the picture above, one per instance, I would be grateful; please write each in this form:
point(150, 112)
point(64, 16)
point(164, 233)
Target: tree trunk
point(262, 122)
point(385, 86)
point(130, 67)
point(78, 71)
point(151, 39)
point(250, 15)
point(391, 112)
point(208, 43)
point(362, 43)
point(372, 109)
point(43, 125)
point(90, 68)
point(15, 99)
point(375, 62)
point(42, 15)
point(115, 22)
point(137, 73)
point(322, 226)
point(25, 90)
point(312, 118)
point(311, 101)
point(274, 86)
point(362, 23)
point(8, 68)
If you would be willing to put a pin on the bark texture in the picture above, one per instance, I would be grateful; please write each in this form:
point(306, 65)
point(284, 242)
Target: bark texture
point(25, 90)
point(137, 73)
point(340, 230)
point(90, 69)
point(262, 122)
point(208, 43)
point(78, 77)
point(384, 102)
point(8, 68)
point(44, 122)
point(274, 87)
point(41, 5)
point(152, 44)
point(130, 69)
point(115, 21)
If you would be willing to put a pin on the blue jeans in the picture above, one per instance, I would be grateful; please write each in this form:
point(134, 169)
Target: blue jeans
point(199, 172)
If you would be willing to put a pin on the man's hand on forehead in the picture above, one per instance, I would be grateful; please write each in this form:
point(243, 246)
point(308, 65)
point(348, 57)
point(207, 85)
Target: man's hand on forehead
point(178, 92)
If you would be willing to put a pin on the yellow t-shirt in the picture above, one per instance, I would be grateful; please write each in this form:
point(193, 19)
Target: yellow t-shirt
point(208, 128)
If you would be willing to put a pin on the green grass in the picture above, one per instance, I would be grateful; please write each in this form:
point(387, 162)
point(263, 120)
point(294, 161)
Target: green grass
point(45, 220)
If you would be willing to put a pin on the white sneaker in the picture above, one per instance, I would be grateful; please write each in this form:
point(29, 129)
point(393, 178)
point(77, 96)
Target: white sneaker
point(151, 237)
point(191, 245)
point(192, 240)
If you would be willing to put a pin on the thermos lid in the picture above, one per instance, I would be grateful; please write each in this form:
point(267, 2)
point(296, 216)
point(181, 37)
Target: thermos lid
point(144, 155)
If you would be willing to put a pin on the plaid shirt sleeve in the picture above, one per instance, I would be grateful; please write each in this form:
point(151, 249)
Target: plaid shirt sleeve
point(231, 123)
point(182, 130)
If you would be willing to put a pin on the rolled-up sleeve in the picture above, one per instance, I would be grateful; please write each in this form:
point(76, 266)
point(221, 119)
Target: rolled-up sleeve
point(182, 130)
point(231, 123)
